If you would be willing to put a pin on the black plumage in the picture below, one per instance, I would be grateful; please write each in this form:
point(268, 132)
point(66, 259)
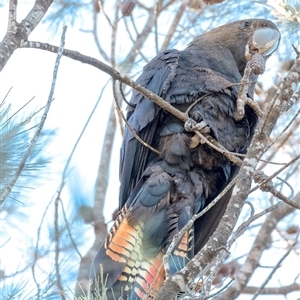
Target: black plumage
point(160, 192)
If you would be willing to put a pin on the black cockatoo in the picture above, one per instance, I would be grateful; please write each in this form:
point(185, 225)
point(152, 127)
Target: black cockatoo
point(161, 190)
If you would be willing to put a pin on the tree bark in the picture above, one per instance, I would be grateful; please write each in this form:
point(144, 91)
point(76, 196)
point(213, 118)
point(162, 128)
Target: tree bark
point(17, 33)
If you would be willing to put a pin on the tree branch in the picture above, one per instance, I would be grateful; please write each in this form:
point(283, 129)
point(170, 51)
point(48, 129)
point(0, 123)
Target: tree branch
point(273, 271)
point(174, 25)
point(32, 143)
point(283, 290)
point(218, 240)
point(260, 244)
point(177, 282)
point(17, 33)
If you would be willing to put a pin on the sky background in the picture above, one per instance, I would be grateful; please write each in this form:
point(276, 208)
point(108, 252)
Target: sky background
point(29, 73)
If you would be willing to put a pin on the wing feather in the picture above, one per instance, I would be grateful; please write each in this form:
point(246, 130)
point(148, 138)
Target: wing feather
point(157, 77)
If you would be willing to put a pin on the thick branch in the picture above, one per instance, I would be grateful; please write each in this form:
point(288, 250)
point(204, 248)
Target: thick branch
point(259, 246)
point(282, 290)
point(151, 96)
point(174, 25)
point(128, 81)
point(17, 33)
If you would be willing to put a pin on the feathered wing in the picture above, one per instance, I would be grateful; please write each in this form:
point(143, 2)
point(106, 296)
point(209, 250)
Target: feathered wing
point(130, 262)
point(159, 193)
point(155, 209)
point(144, 117)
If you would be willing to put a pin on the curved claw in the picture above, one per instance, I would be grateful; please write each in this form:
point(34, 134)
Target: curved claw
point(191, 125)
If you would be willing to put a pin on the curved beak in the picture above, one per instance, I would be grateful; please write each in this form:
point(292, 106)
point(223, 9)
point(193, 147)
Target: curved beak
point(265, 41)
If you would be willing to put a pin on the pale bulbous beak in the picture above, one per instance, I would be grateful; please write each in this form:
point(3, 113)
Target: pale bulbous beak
point(265, 41)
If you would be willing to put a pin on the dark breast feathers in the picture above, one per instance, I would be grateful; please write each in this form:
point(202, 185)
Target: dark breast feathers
point(160, 192)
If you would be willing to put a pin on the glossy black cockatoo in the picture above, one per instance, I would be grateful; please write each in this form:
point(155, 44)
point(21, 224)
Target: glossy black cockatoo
point(161, 190)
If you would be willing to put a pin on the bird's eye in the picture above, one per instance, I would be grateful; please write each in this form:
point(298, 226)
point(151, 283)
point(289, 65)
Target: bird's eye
point(247, 24)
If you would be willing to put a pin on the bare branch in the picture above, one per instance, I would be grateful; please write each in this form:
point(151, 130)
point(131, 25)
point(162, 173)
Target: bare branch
point(273, 271)
point(17, 33)
point(32, 143)
point(99, 224)
point(282, 139)
point(148, 94)
point(282, 290)
point(265, 184)
point(128, 125)
point(57, 250)
point(283, 95)
point(114, 30)
point(56, 229)
point(293, 100)
point(68, 228)
point(95, 35)
point(285, 129)
point(260, 244)
point(173, 26)
point(180, 234)
point(12, 16)
point(245, 225)
point(177, 282)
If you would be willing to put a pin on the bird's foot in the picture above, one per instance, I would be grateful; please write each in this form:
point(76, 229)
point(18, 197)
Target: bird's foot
point(240, 107)
point(191, 125)
point(255, 66)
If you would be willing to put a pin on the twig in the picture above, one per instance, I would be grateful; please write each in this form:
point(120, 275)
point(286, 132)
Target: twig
point(56, 229)
point(195, 102)
point(114, 36)
point(284, 130)
point(265, 185)
point(130, 58)
point(166, 5)
point(180, 234)
point(260, 244)
point(244, 226)
point(123, 96)
point(157, 6)
point(173, 26)
point(221, 290)
point(68, 228)
point(291, 188)
point(95, 34)
point(133, 25)
point(131, 37)
point(81, 134)
point(252, 210)
point(294, 98)
point(32, 143)
point(282, 142)
point(12, 13)
point(104, 13)
point(37, 248)
point(118, 100)
point(57, 250)
point(274, 270)
point(282, 290)
point(128, 125)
